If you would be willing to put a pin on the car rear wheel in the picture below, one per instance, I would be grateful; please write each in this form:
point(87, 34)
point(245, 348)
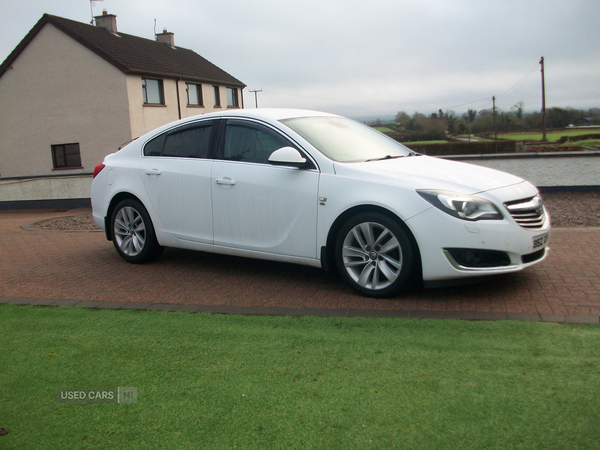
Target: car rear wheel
point(133, 233)
point(374, 255)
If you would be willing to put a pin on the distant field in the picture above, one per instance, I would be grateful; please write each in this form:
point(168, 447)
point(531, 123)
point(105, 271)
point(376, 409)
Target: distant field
point(475, 138)
point(591, 143)
point(425, 142)
point(550, 136)
point(384, 129)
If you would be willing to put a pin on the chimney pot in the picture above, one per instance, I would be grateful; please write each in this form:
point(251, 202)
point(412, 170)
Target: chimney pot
point(108, 21)
point(166, 38)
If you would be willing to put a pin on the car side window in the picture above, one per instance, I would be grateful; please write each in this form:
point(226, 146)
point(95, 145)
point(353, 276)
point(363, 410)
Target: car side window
point(155, 146)
point(250, 142)
point(186, 142)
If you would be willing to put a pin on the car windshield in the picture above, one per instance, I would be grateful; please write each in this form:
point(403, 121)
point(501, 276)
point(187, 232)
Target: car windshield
point(345, 140)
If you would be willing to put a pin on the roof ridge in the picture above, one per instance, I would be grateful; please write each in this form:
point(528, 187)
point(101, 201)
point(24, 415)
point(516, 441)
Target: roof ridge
point(130, 53)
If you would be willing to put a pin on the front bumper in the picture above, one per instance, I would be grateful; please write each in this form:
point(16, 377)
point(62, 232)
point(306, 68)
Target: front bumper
point(451, 248)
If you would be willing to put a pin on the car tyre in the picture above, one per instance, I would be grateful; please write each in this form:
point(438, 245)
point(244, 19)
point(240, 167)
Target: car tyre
point(374, 255)
point(133, 233)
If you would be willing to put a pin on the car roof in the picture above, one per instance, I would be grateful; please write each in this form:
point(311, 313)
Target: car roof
point(265, 114)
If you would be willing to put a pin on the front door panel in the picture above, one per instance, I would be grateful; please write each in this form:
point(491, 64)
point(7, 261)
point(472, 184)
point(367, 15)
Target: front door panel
point(265, 208)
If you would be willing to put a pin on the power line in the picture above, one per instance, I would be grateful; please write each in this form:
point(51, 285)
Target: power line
point(520, 83)
point(516, 86)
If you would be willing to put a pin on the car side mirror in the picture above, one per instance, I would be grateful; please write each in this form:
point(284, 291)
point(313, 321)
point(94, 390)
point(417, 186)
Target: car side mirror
point(287, 156)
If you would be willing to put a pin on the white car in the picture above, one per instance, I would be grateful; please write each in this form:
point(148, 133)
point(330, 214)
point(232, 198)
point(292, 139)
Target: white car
point(317, 189)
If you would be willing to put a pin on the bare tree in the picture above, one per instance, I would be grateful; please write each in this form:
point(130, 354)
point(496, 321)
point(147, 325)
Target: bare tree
point(518, 110)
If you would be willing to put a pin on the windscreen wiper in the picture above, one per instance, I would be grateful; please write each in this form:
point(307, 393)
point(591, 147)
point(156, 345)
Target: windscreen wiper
point(386, 157)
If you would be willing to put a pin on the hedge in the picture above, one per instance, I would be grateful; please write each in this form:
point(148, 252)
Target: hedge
point(463, 148)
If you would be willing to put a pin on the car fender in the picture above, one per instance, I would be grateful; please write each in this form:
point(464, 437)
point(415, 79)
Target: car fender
point(339, 196)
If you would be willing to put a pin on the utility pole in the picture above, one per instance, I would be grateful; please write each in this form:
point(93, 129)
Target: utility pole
point(494, 112)
point(495, 128)
point(469, 123)
point(543, 103)
point(255, 96)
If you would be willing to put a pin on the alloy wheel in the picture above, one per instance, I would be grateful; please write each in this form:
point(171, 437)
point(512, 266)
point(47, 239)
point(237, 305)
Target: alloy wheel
point(372, 256)
point(130, 231)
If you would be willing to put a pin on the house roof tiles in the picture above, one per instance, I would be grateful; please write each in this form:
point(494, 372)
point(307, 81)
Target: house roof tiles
point(132, 54)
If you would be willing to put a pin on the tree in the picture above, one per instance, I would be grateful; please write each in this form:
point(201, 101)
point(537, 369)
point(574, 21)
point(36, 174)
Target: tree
point(506, 120)
point(518, 109)
point(558, 117)
point(594, 113)
point(402, 119)
point(533, 121)
point(451, 122)
point(472, 115)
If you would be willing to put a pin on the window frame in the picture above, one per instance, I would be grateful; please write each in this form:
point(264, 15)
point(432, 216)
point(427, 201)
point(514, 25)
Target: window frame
point(217, 96)
point(66, 166)
point(234, 97)
point(161, 91)
point(200, 97)
point(259, 126)
point(161, 140)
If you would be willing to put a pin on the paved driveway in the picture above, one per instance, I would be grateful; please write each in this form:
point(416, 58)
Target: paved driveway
point(50, 267)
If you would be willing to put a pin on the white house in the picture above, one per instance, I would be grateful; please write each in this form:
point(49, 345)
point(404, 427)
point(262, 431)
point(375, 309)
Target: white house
point(72, 93)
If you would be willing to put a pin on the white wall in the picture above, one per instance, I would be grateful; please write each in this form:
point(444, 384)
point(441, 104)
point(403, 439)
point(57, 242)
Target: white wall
point(548, 170)
point(47, 188)
point(544, 171)
point(59, 92)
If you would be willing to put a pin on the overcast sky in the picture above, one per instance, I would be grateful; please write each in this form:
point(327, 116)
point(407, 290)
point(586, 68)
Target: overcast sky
point(368, 57)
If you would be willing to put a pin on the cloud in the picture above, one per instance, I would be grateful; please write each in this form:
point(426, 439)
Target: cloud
point(353, 57)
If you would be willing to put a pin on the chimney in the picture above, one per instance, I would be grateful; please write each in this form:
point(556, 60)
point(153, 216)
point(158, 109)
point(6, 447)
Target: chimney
point(166, 38)
point(108, 21)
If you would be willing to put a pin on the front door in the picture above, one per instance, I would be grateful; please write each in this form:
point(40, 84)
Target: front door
point(258, 206)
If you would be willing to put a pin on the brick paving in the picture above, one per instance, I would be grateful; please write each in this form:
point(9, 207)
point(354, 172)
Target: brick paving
point(82, 268)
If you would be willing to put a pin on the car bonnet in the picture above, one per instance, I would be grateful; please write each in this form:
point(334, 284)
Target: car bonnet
point(423, 172)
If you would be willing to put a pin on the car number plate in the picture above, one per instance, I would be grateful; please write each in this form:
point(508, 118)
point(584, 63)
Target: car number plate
point(541, 241)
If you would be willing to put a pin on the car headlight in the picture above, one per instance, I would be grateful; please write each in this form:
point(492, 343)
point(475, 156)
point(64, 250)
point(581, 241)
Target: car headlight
point(462, 206)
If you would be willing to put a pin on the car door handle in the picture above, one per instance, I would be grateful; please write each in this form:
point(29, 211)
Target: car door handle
point(225, 181)
point(153, 172)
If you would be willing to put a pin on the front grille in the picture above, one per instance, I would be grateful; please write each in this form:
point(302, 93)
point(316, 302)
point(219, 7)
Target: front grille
point(529, 212)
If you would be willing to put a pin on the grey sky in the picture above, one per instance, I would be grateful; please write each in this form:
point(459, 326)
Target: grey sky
point(375, 57)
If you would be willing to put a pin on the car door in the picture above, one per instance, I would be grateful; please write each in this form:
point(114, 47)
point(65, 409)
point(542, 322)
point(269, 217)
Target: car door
point(176, 170)
point(258, 206)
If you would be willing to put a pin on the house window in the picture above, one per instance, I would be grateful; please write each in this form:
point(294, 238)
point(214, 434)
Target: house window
point(232, 97)
point(217, 96)
point(152, 91)
point(66, 156)
point(194, 94)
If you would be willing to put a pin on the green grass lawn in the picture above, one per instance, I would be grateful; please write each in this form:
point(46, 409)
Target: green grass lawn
point(475, 138)
point(550, 136)
point(385, 129)
point(591, 143)
point(260, 382)
point(425, 142)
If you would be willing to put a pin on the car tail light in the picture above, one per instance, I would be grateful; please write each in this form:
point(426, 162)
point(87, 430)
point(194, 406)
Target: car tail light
point(98, 169)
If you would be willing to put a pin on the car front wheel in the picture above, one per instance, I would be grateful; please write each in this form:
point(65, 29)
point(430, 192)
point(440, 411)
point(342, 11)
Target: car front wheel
point(374, 255)
point(133, 233)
